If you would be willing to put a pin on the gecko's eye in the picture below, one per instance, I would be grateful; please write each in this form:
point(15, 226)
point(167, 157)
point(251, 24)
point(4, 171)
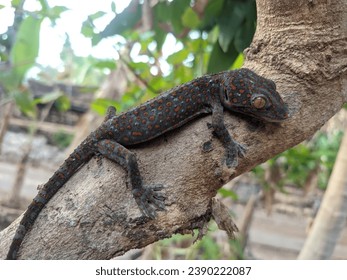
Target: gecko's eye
point(259, 102)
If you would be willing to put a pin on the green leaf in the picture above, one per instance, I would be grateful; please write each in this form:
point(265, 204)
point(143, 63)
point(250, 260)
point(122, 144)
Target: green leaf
point(26, 47)
point(171, 13)
point(178, 57)
point(113, 7)
point(229, 22)
point(87, 29)
point(220, 60)
point(238, 61)
point(159, 84)
point(56, 11)
point(2, 6)
point(96, 15)
point(211, 14)
point(25, 103)
point(15, 3)
point(49, 97)
point(62, 139)
point(212, 10)
point(109, 64)
point(100, 105)
point(159, 37)
point(228, 193)
point(244, 35)
point(190, 18)
point(44, 6)
point(122, 22)
point(177, 8)
point(162, 12)
point(63, 103)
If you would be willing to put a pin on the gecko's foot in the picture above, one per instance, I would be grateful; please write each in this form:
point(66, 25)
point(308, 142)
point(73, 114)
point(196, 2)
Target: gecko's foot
point(149, 199)
point(233, 152)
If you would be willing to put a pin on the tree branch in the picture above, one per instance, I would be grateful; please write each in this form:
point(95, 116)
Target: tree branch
point(299, 44)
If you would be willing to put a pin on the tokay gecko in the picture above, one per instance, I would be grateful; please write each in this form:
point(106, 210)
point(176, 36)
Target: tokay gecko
point(240, 91)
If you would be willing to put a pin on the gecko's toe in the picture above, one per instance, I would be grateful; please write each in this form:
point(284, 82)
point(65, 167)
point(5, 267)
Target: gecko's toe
point(241, 149)
point(233, 152)
point(149, 199)
point(231, 161)
point(156, 197)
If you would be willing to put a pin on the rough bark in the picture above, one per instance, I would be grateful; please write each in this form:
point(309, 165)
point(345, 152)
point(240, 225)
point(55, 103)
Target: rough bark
point(299, 44)
point(332, 215)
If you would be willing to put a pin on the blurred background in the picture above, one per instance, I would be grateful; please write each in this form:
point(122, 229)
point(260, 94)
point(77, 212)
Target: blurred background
point(62, 63)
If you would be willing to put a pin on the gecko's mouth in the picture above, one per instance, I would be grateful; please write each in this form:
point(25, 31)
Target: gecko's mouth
point(281, 118)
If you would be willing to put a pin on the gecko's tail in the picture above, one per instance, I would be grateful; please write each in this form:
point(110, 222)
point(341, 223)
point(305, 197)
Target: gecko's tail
point(79, 156)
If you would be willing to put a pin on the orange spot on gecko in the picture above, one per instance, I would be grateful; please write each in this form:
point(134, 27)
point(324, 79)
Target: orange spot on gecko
point(136, 133)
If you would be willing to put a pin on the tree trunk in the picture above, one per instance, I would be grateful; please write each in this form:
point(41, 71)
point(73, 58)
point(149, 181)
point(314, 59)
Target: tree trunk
point(332, 215)
point(299, 44)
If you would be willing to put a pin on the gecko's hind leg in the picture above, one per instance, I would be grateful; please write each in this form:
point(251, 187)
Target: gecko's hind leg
point(148, 198)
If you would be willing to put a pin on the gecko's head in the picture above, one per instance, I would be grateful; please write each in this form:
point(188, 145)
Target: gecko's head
point(248, 93)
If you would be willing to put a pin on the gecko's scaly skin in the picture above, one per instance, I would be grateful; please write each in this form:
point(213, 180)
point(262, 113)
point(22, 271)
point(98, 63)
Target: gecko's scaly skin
point(240, 91)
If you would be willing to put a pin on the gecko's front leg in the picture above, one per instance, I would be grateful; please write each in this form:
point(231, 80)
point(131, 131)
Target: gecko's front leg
point(148, 198)
point(233, 149)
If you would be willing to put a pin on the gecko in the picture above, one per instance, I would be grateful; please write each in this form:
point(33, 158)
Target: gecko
point(241, 91)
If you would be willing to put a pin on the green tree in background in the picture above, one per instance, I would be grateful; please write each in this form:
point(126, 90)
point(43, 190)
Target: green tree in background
point(209, 37)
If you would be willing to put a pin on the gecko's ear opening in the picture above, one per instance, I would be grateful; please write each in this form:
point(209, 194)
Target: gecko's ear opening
point(224, 96)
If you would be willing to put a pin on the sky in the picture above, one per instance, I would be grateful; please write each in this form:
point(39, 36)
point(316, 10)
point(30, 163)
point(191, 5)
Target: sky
point(52, 38)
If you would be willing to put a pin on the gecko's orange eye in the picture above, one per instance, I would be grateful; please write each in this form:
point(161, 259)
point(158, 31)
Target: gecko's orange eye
point(259, 102)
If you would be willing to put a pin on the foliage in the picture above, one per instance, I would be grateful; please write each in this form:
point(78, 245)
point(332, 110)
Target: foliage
point(206, 39)
point(296, 164)
point(62, 139)
point(184, 247)
point(19, 49)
